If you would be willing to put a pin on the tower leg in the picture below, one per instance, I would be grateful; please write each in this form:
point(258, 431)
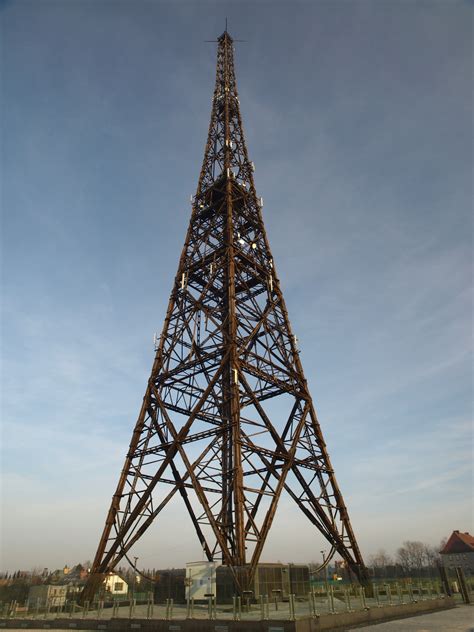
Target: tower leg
point(362, 573)
point(93, 584)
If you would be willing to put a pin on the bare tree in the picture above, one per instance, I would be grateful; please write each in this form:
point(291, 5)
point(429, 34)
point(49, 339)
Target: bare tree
point(432, 555)
point(379, 561)
point(412, 555)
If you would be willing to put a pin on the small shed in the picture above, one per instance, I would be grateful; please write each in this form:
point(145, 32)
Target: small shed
point(115, 585)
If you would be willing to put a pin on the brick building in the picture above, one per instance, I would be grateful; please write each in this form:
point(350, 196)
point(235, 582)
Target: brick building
point(459, 552)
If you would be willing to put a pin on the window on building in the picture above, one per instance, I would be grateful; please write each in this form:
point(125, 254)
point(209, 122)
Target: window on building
point(118, 586)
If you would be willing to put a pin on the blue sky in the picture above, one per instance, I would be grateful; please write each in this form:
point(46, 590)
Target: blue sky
point(358, 118)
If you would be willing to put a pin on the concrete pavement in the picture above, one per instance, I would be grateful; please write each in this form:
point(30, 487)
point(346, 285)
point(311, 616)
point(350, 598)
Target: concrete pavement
point(459, 619)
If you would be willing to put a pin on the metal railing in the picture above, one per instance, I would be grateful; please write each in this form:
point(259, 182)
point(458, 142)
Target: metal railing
point(319, 601)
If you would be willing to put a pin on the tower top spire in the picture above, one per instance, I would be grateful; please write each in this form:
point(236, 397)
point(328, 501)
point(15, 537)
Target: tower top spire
point(225, 36)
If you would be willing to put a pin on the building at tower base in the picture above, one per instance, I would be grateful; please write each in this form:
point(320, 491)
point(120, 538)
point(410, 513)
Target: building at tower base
point(273, 580)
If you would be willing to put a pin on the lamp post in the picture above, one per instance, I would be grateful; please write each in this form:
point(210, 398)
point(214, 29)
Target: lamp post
point(135, 559)
point(325, 571)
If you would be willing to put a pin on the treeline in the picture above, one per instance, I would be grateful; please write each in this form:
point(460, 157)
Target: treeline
point(412, 558)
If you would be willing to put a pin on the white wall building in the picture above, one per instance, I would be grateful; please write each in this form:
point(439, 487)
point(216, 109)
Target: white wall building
point(200, 580)
point(115, 585)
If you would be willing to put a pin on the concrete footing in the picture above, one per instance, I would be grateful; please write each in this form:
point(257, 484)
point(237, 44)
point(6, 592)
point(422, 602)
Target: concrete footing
point(344, 620)
point(339, 621)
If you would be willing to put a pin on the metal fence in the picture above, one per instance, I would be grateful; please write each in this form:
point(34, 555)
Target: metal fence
point(319, 601)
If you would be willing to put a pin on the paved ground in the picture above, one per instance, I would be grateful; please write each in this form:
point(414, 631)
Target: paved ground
point(459, 619)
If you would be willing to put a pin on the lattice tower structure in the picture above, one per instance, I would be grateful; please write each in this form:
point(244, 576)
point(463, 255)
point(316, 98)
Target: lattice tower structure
point(227, 420)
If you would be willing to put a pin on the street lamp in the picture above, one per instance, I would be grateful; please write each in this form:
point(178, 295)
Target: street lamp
point(325, 571)
point(135, 559)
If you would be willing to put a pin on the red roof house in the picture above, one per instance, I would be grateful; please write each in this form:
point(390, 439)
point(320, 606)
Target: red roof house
point(459, 543)
point(458, 552)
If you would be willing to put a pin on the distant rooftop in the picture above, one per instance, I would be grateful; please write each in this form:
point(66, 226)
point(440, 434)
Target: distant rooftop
point(459, 543)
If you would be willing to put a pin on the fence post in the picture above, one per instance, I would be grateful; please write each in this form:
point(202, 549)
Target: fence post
point(292, 607)
point(362, 598)
point(389, 593)
point(399, 593)
point(347, 600)
point(192, 607)
point(239, 608)
point(420, 592)
point(376, 595)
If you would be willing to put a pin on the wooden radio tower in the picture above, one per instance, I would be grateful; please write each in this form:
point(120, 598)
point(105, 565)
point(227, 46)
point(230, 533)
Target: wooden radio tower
point(227, 421)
